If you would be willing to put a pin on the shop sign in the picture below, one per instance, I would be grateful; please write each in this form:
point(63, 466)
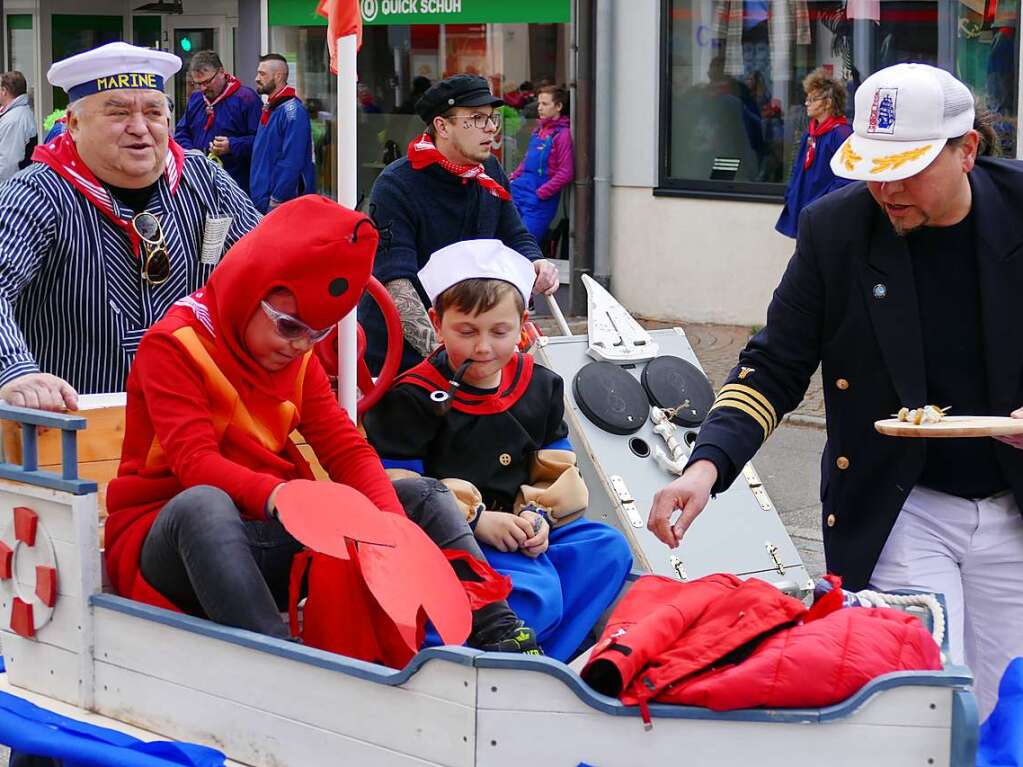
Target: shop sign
point(293, 13)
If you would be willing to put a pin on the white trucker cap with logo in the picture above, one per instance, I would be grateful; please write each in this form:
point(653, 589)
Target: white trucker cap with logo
point(905, 114)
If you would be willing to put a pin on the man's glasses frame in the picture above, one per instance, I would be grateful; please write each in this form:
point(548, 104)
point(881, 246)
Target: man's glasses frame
point(478, 120)
point(292, 328)
point(207, 81)
point(156, 267)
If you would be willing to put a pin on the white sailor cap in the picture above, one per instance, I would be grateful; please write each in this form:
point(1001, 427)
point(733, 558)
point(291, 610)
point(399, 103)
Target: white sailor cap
point(110, 67)
point(476, 259)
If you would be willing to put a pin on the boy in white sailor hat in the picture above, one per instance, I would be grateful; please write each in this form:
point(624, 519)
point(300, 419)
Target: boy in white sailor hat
point(905, 290)
point(484, 418)
point(99, 236)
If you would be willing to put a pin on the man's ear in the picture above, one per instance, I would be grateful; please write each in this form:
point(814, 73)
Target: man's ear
point(72, 124)
point(440, 126)
point(969, 148)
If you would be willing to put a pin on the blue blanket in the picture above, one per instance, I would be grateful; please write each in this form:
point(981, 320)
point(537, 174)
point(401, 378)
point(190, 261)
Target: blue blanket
point(30, 730)
point(1001, 736)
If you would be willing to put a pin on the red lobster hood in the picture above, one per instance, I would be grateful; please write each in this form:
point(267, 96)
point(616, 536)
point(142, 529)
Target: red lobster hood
point(320, 251)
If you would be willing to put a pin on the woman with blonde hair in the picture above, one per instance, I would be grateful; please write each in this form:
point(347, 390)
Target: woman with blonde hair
point(811, 171)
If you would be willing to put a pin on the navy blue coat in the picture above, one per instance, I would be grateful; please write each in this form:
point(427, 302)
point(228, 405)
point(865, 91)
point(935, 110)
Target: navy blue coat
point(805, 186)
point(847, 301)
point(424, 211)
point(236, 117)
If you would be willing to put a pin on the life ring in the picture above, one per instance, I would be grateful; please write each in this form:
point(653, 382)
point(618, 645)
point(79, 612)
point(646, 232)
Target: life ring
point(28, 574)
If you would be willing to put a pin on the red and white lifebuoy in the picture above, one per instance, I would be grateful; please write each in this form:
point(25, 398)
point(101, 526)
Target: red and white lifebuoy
point(28, 574)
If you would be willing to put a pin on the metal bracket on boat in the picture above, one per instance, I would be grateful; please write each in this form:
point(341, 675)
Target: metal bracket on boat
point(772, 552)
point(626, 499)
point(757, 487)
point(614, 336)
point(678, 567)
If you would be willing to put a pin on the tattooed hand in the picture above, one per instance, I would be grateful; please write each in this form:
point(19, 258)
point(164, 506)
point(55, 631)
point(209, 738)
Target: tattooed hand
point(415, 322)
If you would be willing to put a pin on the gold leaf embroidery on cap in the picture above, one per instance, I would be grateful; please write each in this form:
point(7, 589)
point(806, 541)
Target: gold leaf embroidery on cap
point(848, 157)
point(893, 161)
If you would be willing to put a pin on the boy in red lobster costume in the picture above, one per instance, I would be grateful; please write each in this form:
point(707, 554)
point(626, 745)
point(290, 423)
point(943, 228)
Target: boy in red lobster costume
point(217, 388)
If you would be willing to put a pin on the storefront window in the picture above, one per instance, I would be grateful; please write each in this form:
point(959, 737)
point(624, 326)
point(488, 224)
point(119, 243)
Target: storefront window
point(733, 113)
point(398, 61)
point(21, 48)
point(73, 34)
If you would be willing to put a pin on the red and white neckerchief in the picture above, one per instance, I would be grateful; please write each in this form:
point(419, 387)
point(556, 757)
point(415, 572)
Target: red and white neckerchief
point(285, 93)
point(422, 152)
point(62, 156)
point(230, 88)
point(816, 130)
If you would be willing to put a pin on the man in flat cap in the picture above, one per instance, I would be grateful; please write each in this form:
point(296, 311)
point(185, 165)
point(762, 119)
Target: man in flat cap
point(111, 225)
point(449, 188)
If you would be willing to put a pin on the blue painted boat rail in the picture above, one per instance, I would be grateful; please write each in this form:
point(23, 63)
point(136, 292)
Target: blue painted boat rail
point(29, 471)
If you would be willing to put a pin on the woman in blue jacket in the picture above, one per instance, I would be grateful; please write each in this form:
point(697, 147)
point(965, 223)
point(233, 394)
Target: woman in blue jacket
point(811, 171)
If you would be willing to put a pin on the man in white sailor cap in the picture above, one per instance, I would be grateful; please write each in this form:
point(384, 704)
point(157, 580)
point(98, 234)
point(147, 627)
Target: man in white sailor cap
point(110, 226)
point(906, 289)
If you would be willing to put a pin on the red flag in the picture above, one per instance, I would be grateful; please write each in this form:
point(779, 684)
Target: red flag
point(343, 18)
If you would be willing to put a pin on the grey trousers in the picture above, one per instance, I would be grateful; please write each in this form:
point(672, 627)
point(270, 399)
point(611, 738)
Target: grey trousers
point(209, 561)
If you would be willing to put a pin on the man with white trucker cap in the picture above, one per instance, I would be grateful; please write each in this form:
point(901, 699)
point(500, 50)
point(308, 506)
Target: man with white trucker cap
point(906, 290)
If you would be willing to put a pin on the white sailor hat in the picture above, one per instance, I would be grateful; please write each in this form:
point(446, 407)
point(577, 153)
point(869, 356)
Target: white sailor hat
point(476, 259)
point(110, 67)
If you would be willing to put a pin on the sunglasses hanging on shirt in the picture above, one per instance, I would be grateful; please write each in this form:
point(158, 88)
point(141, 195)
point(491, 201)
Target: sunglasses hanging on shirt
point(156, 264)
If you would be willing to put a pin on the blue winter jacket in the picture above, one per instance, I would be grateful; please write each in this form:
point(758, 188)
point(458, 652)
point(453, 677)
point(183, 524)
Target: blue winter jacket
point(236, 117)
point(282, 157)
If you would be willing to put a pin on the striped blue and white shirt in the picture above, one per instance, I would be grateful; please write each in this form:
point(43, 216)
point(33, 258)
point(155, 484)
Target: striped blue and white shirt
point(72, 299)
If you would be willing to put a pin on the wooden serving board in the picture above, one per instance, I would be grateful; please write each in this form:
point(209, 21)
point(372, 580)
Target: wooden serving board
point(953, 426)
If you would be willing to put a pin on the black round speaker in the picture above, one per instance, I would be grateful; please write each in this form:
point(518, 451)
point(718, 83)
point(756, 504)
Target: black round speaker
point(671, 382)
point(611, 398)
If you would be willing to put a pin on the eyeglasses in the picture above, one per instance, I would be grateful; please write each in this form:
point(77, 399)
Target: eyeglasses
point(207, 81)
point(291, 328)
point(811, 99)
point(156, 268)
point(478, 120)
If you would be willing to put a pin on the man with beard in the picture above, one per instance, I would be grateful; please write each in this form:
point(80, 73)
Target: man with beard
point(906, 290)
point(221, 116)
point(449, 188)
point(109, 227)
point(282, 159)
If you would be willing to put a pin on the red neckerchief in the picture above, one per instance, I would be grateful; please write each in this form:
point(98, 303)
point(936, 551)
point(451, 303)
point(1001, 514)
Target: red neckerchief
point(422, 152)
point(817, 129)
point(230, 88)
point(285, 93)
point(515, 378)
point(61, 155)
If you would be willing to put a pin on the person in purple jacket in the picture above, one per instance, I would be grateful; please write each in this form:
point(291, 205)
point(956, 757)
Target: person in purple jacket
point(811, 171)
point(548, 165)
point(221, 117)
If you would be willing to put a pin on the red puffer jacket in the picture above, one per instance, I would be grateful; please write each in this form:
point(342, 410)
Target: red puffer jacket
point(725, 643)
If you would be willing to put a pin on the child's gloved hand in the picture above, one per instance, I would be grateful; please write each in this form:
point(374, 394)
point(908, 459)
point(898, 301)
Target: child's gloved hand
point(505, 532)
point(537, 543)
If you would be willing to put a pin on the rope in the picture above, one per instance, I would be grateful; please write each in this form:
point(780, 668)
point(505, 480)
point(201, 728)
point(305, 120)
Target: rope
point(876, 599)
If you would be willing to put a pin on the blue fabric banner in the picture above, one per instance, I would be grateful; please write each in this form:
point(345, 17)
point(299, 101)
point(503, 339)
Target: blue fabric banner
point(1001, 736)
point(29, 729)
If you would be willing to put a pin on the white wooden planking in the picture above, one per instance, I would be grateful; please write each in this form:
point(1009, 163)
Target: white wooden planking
point(418, 721)
point(42, 668)
point(910, 705)
point(607, 741)
point(245, 733)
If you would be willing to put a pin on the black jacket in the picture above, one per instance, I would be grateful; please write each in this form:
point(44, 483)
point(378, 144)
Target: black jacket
point(847, 301)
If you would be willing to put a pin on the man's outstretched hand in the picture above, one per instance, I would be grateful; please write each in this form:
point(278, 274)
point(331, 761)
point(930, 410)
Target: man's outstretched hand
point(690, 494)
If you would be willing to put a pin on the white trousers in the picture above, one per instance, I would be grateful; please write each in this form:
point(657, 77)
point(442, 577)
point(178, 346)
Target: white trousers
point(972, 552)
